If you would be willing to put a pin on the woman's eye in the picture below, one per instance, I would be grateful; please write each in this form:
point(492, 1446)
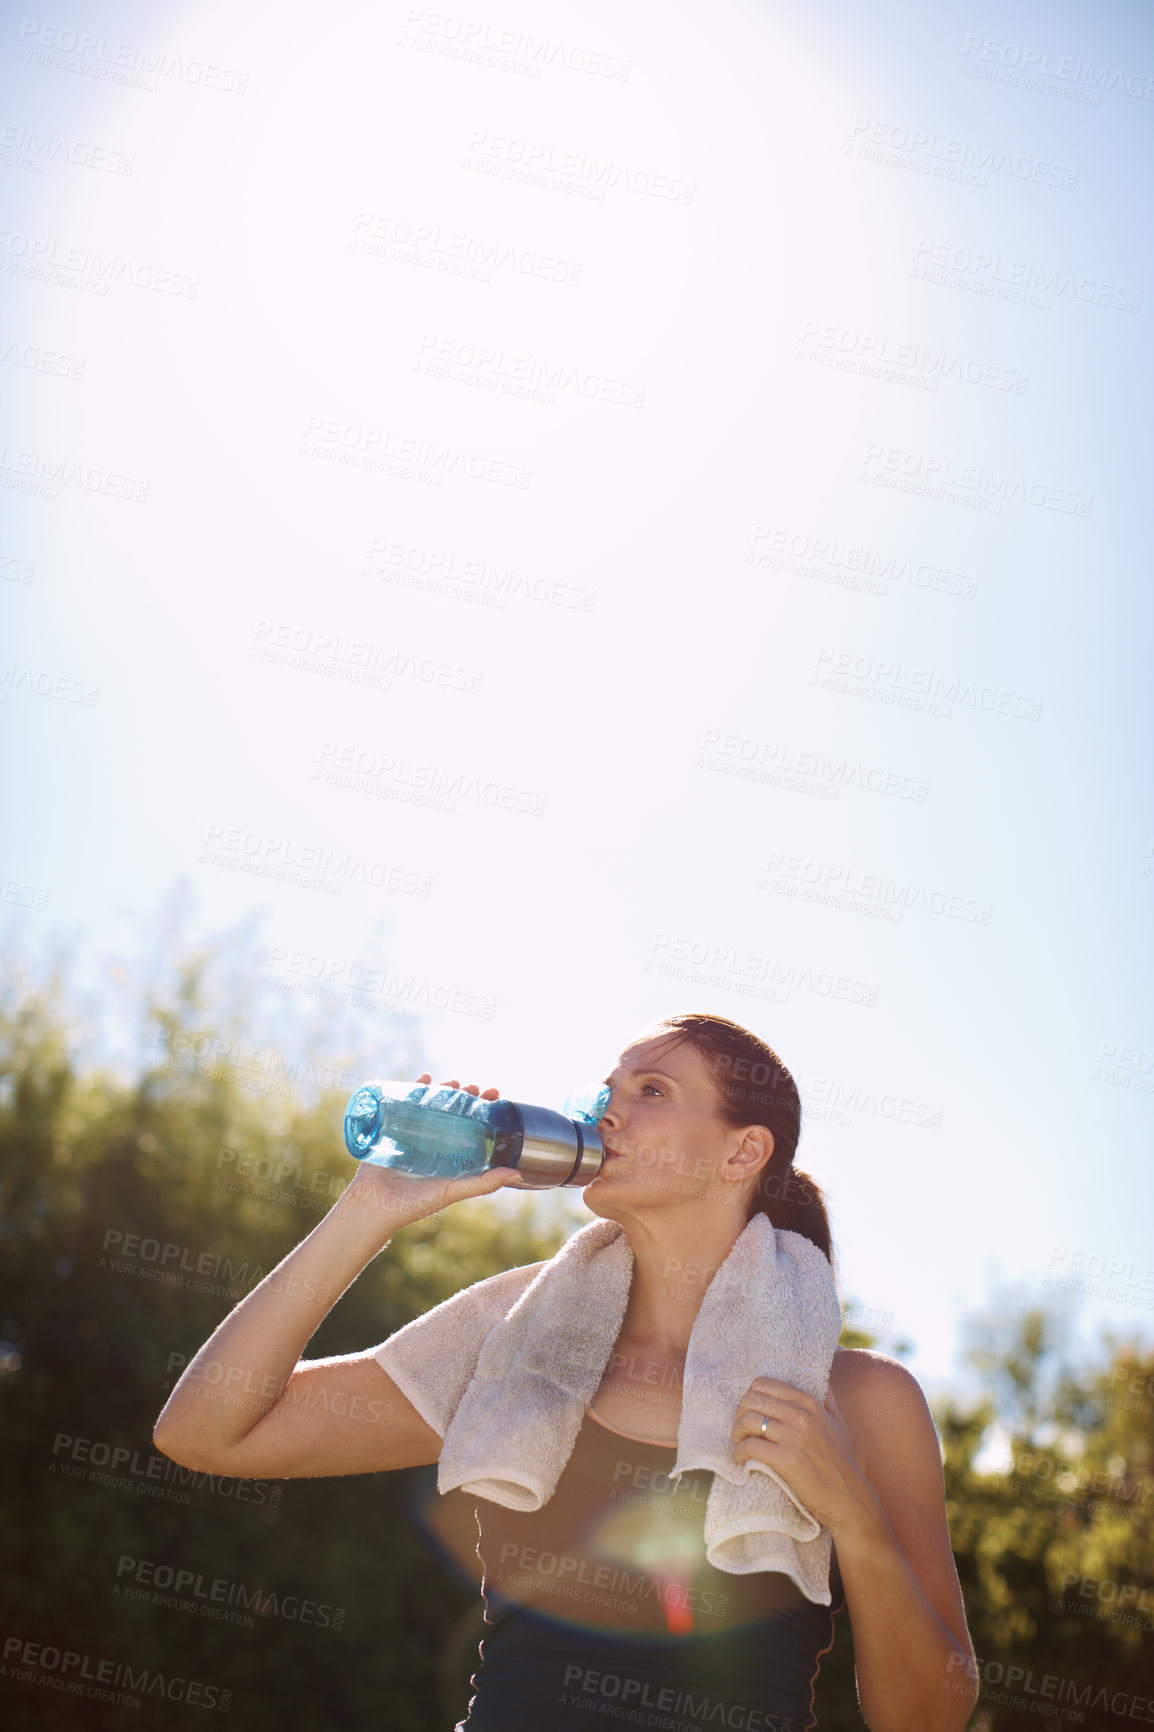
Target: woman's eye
point(652, 1086)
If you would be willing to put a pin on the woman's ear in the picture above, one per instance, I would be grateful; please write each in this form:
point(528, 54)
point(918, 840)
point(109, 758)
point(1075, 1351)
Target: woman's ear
point(754, 1152)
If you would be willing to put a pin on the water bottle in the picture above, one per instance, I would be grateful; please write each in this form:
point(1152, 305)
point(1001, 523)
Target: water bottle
point(446, 1133)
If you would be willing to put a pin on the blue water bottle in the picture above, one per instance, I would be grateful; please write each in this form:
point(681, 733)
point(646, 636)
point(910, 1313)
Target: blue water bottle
point(433, 1131)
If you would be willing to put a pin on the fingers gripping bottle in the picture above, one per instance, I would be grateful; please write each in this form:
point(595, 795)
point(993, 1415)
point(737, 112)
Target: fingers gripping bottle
point(447, 1133)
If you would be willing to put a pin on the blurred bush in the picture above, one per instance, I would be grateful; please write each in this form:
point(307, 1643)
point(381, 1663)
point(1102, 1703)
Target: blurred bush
point(208, 1174)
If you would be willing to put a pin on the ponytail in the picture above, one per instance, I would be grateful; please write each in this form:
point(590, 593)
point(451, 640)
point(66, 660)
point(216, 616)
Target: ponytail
point(795, 1203)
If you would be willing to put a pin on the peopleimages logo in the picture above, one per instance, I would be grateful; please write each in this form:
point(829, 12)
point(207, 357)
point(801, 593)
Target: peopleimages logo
point(445, 572)
point(877, 356)
point(951, 266)
point(357, 659)
point(559, 1572)
point(1032, 1689)
point(28, 148)
point(23, 895)
point(38, 360)
point(914, 688)
point(583, 1685)
point(837, 1102)
point(385, 451)
point(496, 153)
point(218, 1056)
point(1123, 1597)
point(732, 967)
point(873, 893)
point(79, 1674)
point(121, 62)
point(519, 375)
point(121, 1468)
point(1068, 69)
point(355, 766)
point(212, 1595)
point(42, 684)
point(40, 256)
point(486, 44)
point(808, 772)
point(851, 567)
point(927, 151)
point(44, 473)
point(932, 474)
point(370, 988)
point(311, 867)
point(402, 241)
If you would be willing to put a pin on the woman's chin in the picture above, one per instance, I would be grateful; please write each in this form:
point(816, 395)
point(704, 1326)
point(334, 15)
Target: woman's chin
point(604, 1193)
point(594, 1197)
point(612, 1194)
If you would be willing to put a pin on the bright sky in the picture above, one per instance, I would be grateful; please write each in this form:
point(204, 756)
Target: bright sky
point(568, 513)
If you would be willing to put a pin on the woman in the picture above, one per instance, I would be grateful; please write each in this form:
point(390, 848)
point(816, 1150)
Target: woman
point(699, 1134)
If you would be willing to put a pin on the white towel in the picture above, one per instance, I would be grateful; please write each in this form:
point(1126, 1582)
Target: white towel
point(503, 1371)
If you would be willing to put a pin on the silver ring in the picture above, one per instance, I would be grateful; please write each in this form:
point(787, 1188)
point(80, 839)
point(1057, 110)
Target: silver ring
point(763, 1425)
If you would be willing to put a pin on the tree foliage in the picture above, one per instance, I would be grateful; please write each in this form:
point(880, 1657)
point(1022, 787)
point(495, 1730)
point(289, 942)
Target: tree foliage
point(1055, 1549)
point(135, 1213)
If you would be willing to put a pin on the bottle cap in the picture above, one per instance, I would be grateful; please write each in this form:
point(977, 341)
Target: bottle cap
point(589, 1103)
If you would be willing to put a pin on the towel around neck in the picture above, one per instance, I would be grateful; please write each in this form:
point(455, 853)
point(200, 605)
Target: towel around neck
point(503, 1371)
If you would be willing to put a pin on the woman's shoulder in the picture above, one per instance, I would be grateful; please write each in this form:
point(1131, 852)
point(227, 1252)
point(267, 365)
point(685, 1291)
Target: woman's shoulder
point(879, 1398)
point(864, 1367)
point(482, 1302)
point(859, 1374)
point(493, 1288)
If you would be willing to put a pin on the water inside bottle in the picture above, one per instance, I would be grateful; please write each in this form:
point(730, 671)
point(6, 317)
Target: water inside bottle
point(443, 1144)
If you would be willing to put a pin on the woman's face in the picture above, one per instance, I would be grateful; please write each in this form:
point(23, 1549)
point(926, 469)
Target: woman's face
point(664, 1138)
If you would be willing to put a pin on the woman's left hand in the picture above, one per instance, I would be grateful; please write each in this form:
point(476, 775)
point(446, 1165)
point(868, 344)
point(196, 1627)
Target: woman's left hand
point(808, 1444)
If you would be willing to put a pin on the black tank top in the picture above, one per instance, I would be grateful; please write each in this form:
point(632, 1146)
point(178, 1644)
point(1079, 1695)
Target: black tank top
point(604, 1610)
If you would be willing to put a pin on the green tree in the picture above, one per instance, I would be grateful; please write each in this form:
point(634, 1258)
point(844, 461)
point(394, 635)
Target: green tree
point(135, 1211)
point(1054, 1549)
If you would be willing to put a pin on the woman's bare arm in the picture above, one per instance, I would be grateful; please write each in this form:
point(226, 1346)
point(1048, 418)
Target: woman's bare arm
point(334, 1416)
point(247, 1405)
point(912, 1651)
point(866, 1464)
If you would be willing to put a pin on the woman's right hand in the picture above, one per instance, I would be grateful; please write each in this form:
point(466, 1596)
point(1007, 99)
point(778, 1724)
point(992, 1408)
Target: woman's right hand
point(408, 1196)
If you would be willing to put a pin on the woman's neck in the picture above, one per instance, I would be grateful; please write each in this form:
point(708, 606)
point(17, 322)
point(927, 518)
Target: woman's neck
point(674, 1261)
